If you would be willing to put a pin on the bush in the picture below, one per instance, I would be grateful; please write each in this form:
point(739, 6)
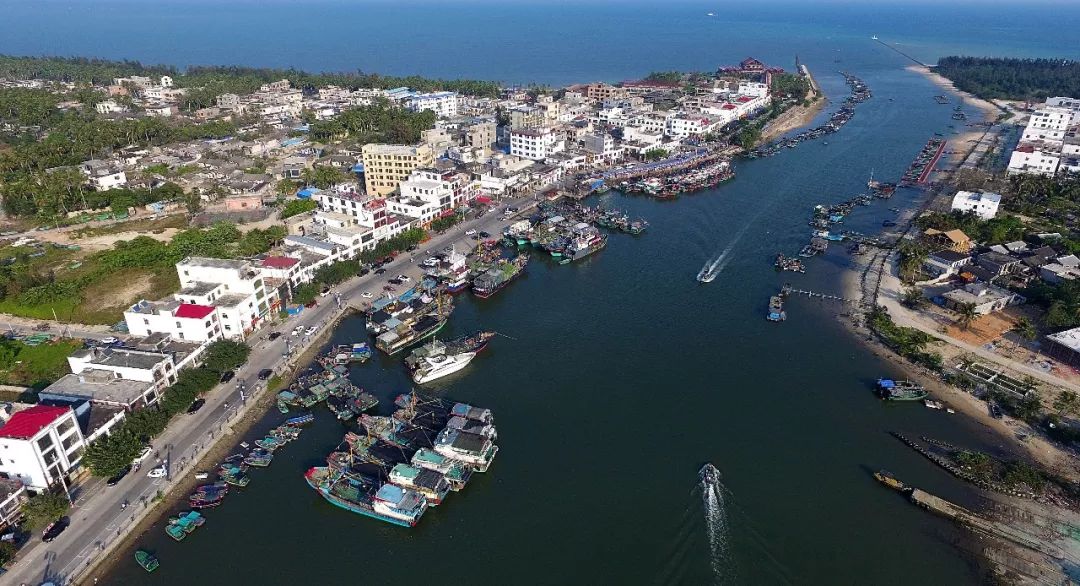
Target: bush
point(224, 355)
point(44, 508)
point(443, 224)
point(298, 206)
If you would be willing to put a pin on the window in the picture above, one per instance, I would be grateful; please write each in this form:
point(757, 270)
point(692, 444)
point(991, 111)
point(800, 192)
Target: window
point(145, 322)
point(45, 443)
point(65, 427)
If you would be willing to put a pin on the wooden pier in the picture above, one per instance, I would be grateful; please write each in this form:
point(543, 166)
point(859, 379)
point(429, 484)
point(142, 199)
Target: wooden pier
point(788, 290)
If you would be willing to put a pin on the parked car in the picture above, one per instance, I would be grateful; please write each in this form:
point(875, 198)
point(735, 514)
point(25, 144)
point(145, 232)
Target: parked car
point(403, 278)
point(274, 336)
point(265, 374)
point(470, 232)
point(325, 291)
point(395, 281)
point(380, 271)
point(364, 271)
point(227, 376)
point(115, 479)
point(143, 454)
point(485, 234)
point(311, 330)
point(54, 529)
point(311, 304)
point(109, 340)
point(196, 405)
point(298, 330)
point(366, 295)
point(158, 471)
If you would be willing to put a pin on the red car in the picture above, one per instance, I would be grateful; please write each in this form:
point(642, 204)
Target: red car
point(311, 303)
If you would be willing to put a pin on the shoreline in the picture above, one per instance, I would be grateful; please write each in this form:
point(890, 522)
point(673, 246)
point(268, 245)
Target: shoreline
point(173, 498)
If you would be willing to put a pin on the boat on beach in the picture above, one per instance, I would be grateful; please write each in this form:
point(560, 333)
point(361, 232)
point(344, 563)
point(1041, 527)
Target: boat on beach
point(900, 390)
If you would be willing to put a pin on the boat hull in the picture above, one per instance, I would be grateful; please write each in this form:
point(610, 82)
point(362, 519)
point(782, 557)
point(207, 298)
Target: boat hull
point(354, 507)
point(420, 377)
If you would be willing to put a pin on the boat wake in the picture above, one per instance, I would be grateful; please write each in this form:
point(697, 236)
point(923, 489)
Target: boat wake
point(716, 522)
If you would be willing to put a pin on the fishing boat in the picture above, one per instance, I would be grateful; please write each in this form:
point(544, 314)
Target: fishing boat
point(931, 404)
point(360, 352)
point(427, 482)
point(183, 525)
point(388, 502)
point(499, 276)
point(304, 419)
point(146, 560)
point(776, 309)
point(473, 449)
point(259, 458)
point(900, 390)
point(889, 480)
point(402, 337)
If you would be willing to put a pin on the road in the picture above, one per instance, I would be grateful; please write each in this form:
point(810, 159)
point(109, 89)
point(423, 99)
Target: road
point(98, 518)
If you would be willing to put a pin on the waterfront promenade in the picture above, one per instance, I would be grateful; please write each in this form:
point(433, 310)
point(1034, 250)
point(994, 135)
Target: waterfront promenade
point(98, 523)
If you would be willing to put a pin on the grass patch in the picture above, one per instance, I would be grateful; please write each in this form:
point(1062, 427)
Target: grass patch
point(35, 366)
point(155, 225)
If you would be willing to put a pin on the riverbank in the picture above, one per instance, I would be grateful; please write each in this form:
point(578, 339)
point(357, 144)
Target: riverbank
point(792, 119)
point(251, 413)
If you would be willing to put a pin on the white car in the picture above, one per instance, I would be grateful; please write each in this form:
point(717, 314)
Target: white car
point(143, 454)
point(298, 330)
point(470, 232)
point(157, 472)
point(366, 295)
point(109, 340)
point(403, 278)
point(310, 330)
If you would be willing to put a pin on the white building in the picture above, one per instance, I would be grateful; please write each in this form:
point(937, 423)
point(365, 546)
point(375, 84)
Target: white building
point(535, 143)
point(108, 107)
point(444, 104)
point(233, 287)
point(982, 204)
point(429, 193)
point(39, 445)
point(753, 89)
point(181, 321)
point(684, 125)
point(1034, 158)
point(103, 175)
point(1050, 118)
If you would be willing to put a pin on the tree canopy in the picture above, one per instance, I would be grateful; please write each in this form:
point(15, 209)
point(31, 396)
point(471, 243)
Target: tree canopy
point(44, 508)
point(1012, 78)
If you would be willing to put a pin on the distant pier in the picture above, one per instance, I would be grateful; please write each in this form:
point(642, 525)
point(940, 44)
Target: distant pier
point(901, 52)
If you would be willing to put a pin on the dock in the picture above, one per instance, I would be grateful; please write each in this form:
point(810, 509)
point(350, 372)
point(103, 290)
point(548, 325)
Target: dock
point(788, 290)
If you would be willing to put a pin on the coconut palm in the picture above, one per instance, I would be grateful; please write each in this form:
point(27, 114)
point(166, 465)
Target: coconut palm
point(966, 313)
point(1024, 329)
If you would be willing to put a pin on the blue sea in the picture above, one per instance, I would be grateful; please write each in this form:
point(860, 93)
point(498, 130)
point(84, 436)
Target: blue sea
point(554, 42)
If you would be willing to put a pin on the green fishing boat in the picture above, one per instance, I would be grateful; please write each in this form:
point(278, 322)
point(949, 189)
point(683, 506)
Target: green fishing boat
point(900, 390)
point(147, 561)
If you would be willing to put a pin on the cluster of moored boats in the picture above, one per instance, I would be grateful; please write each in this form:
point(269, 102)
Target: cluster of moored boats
point(672, 183)
point(399, 466)
point(569, 231)
point(859, 93)
point(924, 162)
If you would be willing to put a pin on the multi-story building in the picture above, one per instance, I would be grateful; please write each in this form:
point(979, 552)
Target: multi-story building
point(443, 104)
point(481, 135)
point(12, 496)
point(982, 204)
point(526, 116)
point(40, 446)
point(429, 193)
point(233, 287)
point(187, 322)
point(387, 165)
point(598, 92)
point(684, 125)
point(535, 143)
point(103, 175)
point(1034, 158)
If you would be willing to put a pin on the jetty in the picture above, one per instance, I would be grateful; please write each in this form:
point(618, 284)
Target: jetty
point(916, 61)
point(789, 290)
point(940, 506)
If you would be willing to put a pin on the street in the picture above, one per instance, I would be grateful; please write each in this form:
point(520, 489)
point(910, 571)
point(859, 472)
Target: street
point(98, 518)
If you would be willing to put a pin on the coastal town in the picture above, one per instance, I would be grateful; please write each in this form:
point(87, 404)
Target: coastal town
point(303, 211)
point(178, 278)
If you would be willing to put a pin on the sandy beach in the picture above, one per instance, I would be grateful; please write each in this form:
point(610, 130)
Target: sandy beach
point(973, 129)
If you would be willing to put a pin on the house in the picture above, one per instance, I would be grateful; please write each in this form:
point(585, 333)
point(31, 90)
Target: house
point(233, 287)
point(997, 264)
point(944, 263)
point(535, 143)
point(40, 446)
point(982, 204)
point(187, 322)
point(12, 496)
point(1065, 346)
point(123, 378)
point(984, 297)
point(103, 175)
point(108, 107)
point(954, 240)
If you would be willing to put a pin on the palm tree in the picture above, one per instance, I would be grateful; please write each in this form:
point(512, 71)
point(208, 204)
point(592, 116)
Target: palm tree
point(912, 297)
point(966, 313)
point(1024, 329)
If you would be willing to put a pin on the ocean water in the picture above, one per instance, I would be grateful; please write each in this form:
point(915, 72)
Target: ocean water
point(624, 375)
point(532, 41)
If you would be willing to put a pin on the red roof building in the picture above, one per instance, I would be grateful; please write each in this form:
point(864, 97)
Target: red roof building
point(279, 262)
point(28, 423)
point(193, 311)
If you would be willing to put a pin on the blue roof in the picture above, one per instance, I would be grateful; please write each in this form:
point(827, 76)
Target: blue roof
point(358, 168)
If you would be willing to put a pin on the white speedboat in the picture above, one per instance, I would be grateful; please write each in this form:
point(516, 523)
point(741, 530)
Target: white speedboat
point(440, 365)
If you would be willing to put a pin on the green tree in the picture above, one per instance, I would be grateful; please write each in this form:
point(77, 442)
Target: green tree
point(655, 154)
point(911, 258)
point(912, 297)
point(297, 206)
point(1066, 403)
point(965, 314)
point(7, 552)
point(223, 355)
point(44, 508)
point(108, 455)
point(287, 187)
point(1024, 329)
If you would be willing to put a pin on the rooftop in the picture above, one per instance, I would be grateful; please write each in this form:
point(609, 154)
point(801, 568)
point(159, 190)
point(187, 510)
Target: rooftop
point(1069, 338)
point(214, 263)
point(193, 311)
point(97, 385)
point(27, 423)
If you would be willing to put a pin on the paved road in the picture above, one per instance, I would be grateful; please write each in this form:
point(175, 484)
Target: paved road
point(98, 518)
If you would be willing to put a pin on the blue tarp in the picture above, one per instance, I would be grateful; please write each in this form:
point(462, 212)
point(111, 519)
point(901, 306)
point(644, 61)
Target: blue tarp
point(307, 192)
point(886, 383)
point(358, 168)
